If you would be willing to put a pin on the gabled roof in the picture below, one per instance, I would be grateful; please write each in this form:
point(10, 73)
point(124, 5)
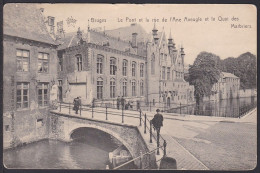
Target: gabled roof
point(228, 75)
point(125, 33)
point(25, 21)
point(95, 37)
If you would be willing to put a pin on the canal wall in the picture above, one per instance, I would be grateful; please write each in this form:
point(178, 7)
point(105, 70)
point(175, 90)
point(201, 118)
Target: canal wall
point(23, 127)
point(247, 92)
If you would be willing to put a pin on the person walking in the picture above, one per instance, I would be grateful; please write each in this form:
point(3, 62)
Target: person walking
point(157, 120)
point(76, 104)
point(118, 102)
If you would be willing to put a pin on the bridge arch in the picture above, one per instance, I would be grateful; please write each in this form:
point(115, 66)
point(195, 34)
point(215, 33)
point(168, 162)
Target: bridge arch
point(108, 131)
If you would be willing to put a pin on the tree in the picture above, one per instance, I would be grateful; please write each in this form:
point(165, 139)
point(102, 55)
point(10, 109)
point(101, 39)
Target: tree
point(203, 74)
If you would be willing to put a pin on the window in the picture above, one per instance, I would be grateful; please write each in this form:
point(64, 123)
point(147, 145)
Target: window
point(22, 95)
point(7, 128)
point(141, 88)
point(133, 68)
point(22, 61)
point(168, 73)
point(124, 67)
point(152, 63)
point(112, 66)
point(112, 88)
point(99, 64)
point(61, 63)
point(124, 88)
point(133, 88)
point(165, 57)
point(79, 62)
point(43, 62)
point(99, 88)
point(161, 56)
point(163, 73)
point(141, 70)
point(50, 21)
point(43, 94)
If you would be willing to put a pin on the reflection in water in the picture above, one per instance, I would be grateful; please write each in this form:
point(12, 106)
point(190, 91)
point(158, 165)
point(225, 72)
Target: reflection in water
point(88, 150)
point(222, 108)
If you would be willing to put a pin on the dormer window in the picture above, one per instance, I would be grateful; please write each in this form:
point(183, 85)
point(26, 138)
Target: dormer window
point(50, 21)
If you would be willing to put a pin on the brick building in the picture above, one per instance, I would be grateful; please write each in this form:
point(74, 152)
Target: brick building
point(227, 87)
point(30, 59)
point(145, 69)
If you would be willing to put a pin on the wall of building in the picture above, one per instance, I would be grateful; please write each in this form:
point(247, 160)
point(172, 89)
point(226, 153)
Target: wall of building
point(247, 92)
point(27, 124)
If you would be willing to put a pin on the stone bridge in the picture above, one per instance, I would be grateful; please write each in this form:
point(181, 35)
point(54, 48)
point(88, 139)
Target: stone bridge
point(62, 126)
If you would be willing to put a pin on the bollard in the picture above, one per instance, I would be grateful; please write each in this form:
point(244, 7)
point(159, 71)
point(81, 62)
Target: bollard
point(164, 146)
point(140, 118)
point(80, 107)
point(151, 126)
point(60, 106)
point(141, 160)
point(69, 107)
point(106, 112)
point(122, 114)
point(145, 123)
point(158, 142)
point(92, 111)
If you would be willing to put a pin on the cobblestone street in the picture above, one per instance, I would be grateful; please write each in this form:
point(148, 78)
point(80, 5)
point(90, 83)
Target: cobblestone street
point(223, 145)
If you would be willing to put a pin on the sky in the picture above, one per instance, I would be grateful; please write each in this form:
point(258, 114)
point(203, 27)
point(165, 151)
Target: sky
point(219, 36)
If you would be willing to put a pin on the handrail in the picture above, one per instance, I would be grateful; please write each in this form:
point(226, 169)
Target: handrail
point(137, 157)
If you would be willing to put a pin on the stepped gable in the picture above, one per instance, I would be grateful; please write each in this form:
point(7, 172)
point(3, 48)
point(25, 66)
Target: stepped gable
point(125, 33)
point(25, 21)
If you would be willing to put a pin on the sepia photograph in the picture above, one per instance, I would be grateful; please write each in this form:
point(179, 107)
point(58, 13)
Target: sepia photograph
point(130, 86)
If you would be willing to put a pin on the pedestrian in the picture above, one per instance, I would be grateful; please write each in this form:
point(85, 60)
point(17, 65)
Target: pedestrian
point(118, 102)
point(122, 102)
point(79, 102)
point(157, 120)
point(76, 104)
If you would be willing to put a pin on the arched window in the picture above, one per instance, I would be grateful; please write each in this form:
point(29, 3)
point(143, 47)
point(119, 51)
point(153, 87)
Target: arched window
point(152, 63)
point(124, 88)
point(133, 88)
point(133, 68)
point(112, 66)
point(141, 88)
point(163, 73)
point(99, 64)
point(112, 88)
point(141, 70)
point(124, 67)
point(99, 88)
point(79, 62)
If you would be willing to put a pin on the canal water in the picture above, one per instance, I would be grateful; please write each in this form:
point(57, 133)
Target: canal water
point(88, 150)
point(223, 108)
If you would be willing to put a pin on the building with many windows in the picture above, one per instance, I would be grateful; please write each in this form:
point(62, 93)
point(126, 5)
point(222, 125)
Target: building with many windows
point(30, 59)
point(227, 87)
point(145, 69)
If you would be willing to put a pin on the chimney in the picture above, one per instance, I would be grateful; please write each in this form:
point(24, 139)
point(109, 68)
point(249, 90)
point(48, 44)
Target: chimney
point(134, 41)
point(79, 34)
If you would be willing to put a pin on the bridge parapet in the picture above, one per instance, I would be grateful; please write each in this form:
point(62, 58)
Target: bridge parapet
point(62, 125)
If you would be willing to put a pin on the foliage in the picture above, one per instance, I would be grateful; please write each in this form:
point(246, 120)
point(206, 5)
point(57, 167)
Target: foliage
point(243, 67)
point(203, 74)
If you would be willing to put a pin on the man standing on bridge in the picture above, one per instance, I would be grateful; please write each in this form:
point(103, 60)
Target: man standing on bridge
point(157, 120)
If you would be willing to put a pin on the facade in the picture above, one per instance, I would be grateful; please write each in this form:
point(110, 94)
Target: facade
point(30, 59)
point(147, 70)
point(227, 87)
